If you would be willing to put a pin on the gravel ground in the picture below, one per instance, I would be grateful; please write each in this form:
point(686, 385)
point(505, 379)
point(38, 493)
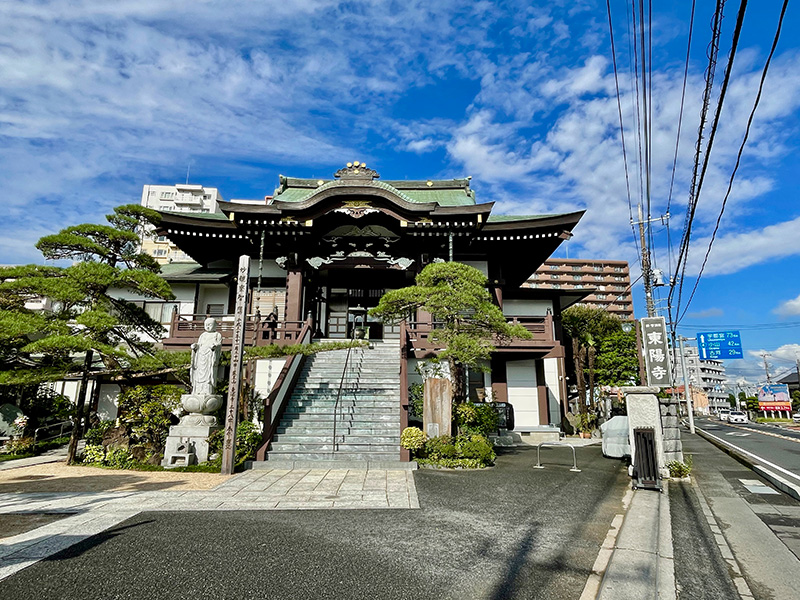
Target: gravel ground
point(59, 477)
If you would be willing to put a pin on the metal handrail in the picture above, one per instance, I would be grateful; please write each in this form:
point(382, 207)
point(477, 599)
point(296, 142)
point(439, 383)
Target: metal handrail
point(539, 465)
point(60, 425)
point(338, 397)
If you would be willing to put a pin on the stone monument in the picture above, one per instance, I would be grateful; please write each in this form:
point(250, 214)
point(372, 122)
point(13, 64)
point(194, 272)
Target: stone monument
point(187, 443)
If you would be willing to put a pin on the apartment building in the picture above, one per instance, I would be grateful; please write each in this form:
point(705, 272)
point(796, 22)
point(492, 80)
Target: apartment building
point(609, 280)
point(708, 375)
point(190, 198)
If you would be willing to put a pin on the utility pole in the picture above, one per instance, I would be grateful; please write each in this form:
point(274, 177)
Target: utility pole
point(646, 270)
point(687, 393)
point(764, 355)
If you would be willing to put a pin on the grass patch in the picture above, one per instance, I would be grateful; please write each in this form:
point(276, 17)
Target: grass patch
point(5, 457)
point(771, 420)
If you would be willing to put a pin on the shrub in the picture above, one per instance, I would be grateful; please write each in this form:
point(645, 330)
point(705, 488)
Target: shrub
point(118, 458)
point(94, 453)
point(680, 469)
point(248, 439)
point(20, 446)
point(441, 447)
point(416, 393)
point(94, 437)
point(477, 419)
point(477, 447)
point(147, 411)
point(453, 463)
point(413, 438)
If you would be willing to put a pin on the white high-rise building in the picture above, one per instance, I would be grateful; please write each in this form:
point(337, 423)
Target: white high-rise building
point(181, 197)
point(708, 375)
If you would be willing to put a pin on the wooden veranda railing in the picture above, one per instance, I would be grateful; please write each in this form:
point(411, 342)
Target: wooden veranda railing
point(420, 334)
point(258, 331)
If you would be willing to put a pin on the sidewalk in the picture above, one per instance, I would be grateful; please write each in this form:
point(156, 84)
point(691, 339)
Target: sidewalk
point(639, 555)
point(54, 455)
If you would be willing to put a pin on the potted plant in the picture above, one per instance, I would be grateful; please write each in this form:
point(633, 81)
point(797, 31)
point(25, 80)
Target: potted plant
point(586, 424)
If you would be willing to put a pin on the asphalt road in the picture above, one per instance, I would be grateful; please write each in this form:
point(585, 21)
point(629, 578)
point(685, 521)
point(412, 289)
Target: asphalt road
point(779, 446)
point(506, 532)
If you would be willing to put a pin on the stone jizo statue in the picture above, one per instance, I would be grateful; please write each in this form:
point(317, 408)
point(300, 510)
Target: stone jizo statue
point(205, 360)
point(202, 401)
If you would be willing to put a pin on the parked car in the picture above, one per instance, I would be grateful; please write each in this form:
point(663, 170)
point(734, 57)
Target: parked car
point(796, 417)
point(737, 416)
point(723, 414)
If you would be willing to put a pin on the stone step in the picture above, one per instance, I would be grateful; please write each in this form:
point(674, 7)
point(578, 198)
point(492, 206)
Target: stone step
point(378, 386)
point(293, 438)
point(351, 460)
point(345, 462)
point(322, 448)
point(326, 429)
point(358, 421)
point(343, 410)
point(343, 404)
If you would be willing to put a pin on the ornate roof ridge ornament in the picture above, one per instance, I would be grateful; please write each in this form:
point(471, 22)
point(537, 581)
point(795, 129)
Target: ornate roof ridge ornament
point(356, 170)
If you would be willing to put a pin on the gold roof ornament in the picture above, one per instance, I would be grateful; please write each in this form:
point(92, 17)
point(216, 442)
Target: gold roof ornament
point(356, 170)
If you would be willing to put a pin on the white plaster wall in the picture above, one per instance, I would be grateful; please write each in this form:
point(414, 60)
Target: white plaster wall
point(526, 308)
point(553, 389)
point(212, 293)
point(267, 371)
point(269, 269)
point(481, 265)
point(108, 402)
point(523, 393)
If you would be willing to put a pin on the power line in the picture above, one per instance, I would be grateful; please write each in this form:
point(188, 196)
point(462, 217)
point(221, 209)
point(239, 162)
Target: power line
point(711, 52)
point(621, 126)
point(753, 327)
point(741, 150)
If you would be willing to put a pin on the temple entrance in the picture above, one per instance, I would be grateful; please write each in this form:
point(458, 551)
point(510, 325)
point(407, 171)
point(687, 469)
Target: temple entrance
point(346, 311)
point(342, 299)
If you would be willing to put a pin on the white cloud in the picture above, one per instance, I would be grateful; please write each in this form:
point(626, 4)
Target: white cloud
point(728, 253)
point(789, 308)
point(706, 314)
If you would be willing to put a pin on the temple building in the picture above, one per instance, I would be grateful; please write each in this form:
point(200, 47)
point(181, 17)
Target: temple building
point(324, 251)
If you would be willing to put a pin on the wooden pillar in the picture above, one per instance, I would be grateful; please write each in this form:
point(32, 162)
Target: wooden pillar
point(405, 455)
point(499, 381)
point(541, 389)
point(294, 295)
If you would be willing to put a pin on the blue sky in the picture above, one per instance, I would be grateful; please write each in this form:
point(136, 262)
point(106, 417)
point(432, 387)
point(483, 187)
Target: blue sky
point(100, 98)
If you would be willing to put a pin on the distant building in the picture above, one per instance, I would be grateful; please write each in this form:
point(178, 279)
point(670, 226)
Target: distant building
point(609, 280)
point(708, 375)
point(191, 198)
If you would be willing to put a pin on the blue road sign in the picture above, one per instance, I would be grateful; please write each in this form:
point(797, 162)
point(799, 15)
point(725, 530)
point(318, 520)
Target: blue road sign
point(717, 345)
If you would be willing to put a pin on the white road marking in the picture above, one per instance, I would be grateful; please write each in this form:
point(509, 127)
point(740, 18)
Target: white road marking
point(755, 456)
point(756, 487)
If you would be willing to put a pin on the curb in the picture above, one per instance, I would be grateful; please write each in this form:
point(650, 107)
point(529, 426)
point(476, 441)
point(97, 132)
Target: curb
point(749, 460)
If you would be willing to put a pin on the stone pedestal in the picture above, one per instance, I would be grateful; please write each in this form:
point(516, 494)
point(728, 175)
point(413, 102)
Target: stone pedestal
point(187, 443)
point(644, 412)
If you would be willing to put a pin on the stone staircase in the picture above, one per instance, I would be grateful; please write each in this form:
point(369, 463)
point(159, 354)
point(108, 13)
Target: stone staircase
point(367, 417)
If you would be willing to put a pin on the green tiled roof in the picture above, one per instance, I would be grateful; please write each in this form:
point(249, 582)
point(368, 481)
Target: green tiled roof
point(192, 271)
point(444, 193)
point(512, 218)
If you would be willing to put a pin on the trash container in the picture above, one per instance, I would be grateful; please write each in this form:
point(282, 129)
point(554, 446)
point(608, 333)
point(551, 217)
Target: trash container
point(506, 413)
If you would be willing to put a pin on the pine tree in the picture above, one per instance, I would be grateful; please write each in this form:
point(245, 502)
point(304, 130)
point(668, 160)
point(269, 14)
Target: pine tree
point(86, 319)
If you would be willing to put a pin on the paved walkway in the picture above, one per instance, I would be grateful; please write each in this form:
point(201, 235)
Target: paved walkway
point(94, 512)
point(51, 456)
